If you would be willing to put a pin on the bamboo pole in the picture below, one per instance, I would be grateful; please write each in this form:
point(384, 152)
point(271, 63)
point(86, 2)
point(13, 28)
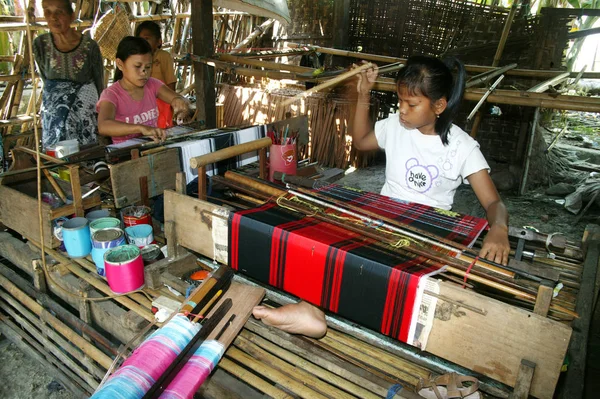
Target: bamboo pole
point(530, 73)
point(21, 26)
point(545, 85)
point(252, 380)
point(57, 351)
point(55, 323)
point(276, 66)
point(296, 373)
point(321, 357)
point(19, 338)
point(259, 31)
point(299, 362)
point(45, 300)
point(296, 387)
point(505, 32)
point(329, 83)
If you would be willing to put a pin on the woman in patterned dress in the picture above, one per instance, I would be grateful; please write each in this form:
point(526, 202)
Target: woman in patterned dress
point(71, 67)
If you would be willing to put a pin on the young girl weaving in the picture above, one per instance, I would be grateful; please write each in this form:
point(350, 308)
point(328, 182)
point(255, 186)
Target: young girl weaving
point(428, 157)
point(128, 109)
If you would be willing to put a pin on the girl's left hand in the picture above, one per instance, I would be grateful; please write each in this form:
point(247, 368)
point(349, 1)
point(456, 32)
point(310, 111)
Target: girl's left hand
point(495, 245)
point(181, 110)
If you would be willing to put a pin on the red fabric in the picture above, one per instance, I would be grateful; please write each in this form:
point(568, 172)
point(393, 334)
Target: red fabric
point(165, 114)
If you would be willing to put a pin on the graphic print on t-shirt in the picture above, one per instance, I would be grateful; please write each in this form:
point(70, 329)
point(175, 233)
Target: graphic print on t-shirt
point(144, 117)
point(420, 177)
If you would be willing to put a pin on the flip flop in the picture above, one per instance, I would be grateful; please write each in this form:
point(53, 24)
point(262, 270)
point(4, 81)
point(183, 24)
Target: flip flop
point(449, 386)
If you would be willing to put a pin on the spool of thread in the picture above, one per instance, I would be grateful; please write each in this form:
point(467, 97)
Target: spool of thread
point(140, 235)
point(134, 215)
point(98, 214)
point(124, 269)
point(102, 241)
point(76, 237)
point(152, 358)
point(104, 223)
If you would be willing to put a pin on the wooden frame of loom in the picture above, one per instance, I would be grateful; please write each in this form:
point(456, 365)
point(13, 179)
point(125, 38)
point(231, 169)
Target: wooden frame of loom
point(19, 205)
point(493, 344)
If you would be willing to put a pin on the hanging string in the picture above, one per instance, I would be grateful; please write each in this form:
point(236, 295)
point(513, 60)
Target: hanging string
point(469, 271)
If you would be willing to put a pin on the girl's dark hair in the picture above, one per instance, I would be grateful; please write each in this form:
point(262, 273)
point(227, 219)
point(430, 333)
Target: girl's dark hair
point(130, 45)
point(68, 5)
point(433, 78)
point(149, 26)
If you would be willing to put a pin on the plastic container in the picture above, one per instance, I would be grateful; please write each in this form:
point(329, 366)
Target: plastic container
point(282, 158)
point(66, 147)
point(76, 237)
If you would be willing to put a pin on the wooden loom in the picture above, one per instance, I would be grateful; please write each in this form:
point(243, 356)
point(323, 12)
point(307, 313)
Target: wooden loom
point(275, 356)
point(499, 357)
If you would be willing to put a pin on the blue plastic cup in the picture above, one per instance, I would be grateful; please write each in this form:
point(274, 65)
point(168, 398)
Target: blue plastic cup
point(76, 237)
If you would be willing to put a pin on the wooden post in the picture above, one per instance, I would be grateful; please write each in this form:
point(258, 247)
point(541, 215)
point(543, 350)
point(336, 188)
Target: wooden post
point(39, 278)
point(524, 377)
point(144, 191)
point(202, 40)
point(171, 236)
point(262, 162)
point(202, 183)
point(180, 183)
point(544, 297)
point(497, 57)
point(76, 189)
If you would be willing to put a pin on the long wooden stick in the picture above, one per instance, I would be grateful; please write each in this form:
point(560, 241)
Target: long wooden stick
point(329, 83)
point(299, 362)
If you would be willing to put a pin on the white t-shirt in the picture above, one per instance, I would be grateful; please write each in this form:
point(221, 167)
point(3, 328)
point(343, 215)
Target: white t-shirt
point(419, 168)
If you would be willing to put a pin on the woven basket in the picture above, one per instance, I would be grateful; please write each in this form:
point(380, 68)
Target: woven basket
point(110, 30)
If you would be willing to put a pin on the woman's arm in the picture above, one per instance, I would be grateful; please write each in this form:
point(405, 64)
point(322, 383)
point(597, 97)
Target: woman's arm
point(108, 126)
point(495, 245)
point(363, 135)
point(181, 108)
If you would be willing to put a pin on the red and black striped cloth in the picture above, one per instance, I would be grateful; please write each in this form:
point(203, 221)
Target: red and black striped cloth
point(336, 269)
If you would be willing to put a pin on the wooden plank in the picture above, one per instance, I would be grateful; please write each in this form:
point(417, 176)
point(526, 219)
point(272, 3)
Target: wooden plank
point(193, 221)
point(244, 298)
point(513, 334)
point(159, 168)
point(19, 212)
point(574, 381)
point(544, 297)
point(526, 370)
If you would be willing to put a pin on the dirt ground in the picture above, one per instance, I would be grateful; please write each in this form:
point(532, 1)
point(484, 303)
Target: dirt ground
point(534, 209)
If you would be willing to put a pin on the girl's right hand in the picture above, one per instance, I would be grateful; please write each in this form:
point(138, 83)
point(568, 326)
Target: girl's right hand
point(366, 80)
point(157, 134)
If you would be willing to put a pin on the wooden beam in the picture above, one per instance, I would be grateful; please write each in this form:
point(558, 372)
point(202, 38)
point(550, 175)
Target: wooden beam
point(202, 41)
point(505, 32)
point(574, 382)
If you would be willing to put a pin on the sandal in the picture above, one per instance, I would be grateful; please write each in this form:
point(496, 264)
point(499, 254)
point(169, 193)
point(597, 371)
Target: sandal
point(448, 386)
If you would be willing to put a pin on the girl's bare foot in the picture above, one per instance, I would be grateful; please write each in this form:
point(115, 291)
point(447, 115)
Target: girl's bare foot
point(297, 318)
